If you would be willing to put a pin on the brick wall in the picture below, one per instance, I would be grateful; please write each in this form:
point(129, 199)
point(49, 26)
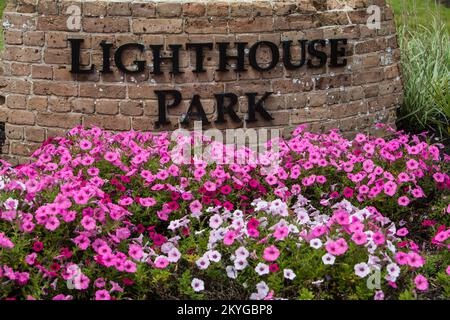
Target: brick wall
point(42, 98)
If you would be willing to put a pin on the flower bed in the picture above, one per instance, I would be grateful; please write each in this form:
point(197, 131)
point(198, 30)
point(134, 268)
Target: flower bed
point(99, 215)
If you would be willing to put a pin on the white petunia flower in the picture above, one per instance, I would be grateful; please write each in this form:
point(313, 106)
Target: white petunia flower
point(263, 288)
point(315, 243)
point(289, 274)
point(197, 284)
point(362, 269)
point(242, 252)
point(173, 255)
point(328, 259)
point(202, 263)
point(393, 269)
point(231, 272)
point(240, 264)
point(262, 269)
point(215, 221)
point(214, 255)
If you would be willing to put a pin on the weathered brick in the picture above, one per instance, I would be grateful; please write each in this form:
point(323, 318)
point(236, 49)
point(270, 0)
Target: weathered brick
point(20, 69)
point(55, 132)
point(16, 101)
point(110, 107)
point(94, 9)
point(57, 56)
point(280, 118)
point(206, 25)
point(168, 9)
point(56, 40)
point(294, 22)
point(310, 114)
point(22, 54)
point(151, 108)
point(107, 122)
point(143, 9)
point(371, 45)
point(62, 73)
point(193, 9)
point(144, 124)
point(241, 9)
point(157, 26)
point(292, 85)
point(131, 108)
point(60, 105)
point(48, 7)
point(14, 132)
point(86, 106)
point(336, 81)
point(348, 109)
point(34, 38)
point(23, 149)
point(257, 24)
point(369, 76)
point(58, 120)
point(26, 6)
point(317, 99)
point(102, 91)
point(21, 117)
point(38, 103)
point(391, 72)
point(41, 71)
point(52, 23)
point(13, 37)
point(41, 87)
point(217, 8)
point(34, 134)
point(262, 8)
point(21, 86)
point(119, 9)
point(284, 8)
point(106, 25)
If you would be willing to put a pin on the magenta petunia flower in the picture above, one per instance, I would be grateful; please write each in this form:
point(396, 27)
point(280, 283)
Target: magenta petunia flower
point(271, 253)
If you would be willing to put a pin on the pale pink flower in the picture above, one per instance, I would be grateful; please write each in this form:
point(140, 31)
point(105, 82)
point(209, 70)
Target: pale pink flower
point(281, 233)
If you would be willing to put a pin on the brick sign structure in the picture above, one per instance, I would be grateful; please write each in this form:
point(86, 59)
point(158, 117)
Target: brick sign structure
point(159, 65)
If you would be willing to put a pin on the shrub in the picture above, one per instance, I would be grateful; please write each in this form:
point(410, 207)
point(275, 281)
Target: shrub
point(99, 215)
point(425, 65)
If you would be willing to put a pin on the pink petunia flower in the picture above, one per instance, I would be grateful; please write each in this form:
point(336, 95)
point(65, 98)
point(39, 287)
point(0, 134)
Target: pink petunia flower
point(161, 262)
point(421, 282)
point(271, 253)
point(102, 295)
point(402, 232)
point(403, 201)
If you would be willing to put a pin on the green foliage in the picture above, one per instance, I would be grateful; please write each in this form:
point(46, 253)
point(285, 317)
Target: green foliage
point(423, 33)
point(406, 295)
point(426, 71)
point(444, 281)
point(305, 294)
point(415, 13)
